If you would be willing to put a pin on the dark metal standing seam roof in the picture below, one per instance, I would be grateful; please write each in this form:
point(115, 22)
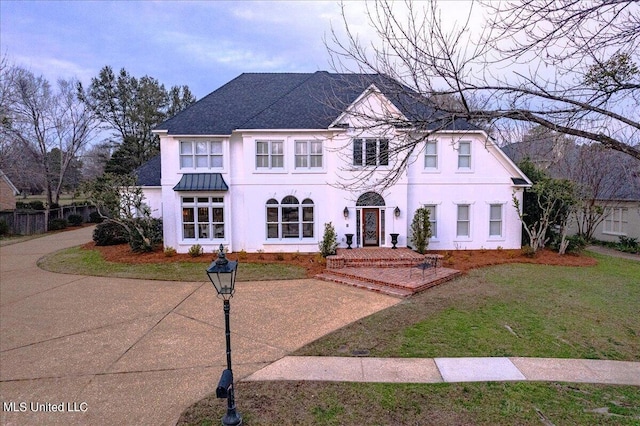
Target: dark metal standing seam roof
point(201, 182)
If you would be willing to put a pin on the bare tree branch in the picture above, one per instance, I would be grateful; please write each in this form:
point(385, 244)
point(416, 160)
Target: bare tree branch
point(570, 66)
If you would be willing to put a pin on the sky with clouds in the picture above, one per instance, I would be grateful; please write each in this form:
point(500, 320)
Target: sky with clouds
point(202, 44)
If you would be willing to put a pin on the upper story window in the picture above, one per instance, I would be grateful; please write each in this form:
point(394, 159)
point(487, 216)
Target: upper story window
point(269, 154)
point(201, 154)
point(308, 155)
point(464, 155)
point(431, 155)
point(371, 152)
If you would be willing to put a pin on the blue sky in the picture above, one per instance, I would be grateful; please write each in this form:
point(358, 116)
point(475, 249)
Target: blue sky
point(202, 44)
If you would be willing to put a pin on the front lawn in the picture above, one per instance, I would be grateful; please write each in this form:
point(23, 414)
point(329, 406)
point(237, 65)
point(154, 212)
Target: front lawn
point(78, 260)
point(507, 310)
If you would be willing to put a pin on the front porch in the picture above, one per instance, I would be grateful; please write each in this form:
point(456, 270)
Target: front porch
point(397, 272)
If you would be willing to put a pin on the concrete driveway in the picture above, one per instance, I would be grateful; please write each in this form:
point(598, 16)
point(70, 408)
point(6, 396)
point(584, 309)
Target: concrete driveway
point(90, 350)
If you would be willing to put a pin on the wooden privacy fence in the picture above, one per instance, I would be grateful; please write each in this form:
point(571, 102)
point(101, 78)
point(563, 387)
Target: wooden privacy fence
point(28, 222)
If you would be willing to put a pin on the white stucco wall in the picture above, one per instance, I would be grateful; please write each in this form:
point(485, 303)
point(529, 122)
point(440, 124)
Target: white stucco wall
point(487, 181)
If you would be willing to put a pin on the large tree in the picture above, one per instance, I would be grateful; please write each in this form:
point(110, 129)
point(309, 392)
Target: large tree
point(569, 66)
point(39, 119)
point(131, 107)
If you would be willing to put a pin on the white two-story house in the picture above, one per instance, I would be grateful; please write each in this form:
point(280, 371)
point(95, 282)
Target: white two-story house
point(263, 162)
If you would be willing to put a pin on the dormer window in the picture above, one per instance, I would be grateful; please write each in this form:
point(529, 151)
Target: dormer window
point(464, 155)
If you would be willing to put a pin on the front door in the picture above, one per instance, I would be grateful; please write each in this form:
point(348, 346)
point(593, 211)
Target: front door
point(371, 227)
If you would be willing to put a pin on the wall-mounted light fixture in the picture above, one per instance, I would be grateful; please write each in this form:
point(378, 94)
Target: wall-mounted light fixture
point(396, 211)
point(345, 212)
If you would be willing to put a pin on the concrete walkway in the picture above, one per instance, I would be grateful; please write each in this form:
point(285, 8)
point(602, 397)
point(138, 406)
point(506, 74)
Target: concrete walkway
point(450, 370)
point(615, 253)
point(110, 351)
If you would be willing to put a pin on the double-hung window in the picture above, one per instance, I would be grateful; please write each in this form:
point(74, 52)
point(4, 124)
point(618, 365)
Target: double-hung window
point(463, 224)
point(495, 220)
point(371, 152)
point(431, 155)
point(615, 221)
point(269, 154)
point(433, 219)
point(464, 155)
point(308, 155)
point(201, 154)
point(202, 218)
point(290, 219)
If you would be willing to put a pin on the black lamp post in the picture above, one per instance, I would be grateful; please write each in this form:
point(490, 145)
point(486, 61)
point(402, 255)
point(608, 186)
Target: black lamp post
point(222, 274)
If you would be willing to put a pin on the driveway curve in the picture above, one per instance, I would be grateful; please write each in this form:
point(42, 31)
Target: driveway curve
point(107, 351)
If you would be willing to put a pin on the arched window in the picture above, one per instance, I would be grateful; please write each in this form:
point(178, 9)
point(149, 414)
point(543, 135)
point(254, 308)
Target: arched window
point(370, 199)
point(290, 219)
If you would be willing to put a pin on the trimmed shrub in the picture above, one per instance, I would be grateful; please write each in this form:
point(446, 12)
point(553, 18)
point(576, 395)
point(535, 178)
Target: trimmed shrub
point(628, 244)
point(36, 205)
point(329, 242)
point(4, 227)
point(57, 224)
point(75, 220)
point(169, 251)
point(110, 233)
point(528, 251)
point(94, 217)
point(577, 244)
point(421, 229)
point(196, 250)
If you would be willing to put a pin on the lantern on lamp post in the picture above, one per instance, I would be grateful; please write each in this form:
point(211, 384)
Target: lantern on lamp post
point(222, 274)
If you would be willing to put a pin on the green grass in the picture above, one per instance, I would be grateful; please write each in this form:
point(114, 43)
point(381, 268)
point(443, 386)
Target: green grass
point(551, 311)
point(89, 262)
point(508, 310)
point(523, 403)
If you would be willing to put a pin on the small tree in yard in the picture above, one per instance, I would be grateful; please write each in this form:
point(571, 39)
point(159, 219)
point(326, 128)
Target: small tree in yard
point(329, 241)
point(421, 230)
point(119, 200)
point(555, 200)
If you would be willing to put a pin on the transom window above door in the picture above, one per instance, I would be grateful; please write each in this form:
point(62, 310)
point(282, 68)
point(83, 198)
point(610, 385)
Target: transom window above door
point(201, 155)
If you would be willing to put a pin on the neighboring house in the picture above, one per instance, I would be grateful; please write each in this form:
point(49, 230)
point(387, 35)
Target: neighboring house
point(604, 178)
point(261, 163)
point(8, 193)
point(621, 210)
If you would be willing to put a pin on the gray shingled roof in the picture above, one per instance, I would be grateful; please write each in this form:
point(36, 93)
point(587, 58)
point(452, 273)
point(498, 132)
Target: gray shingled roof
point(149, 174)
point(293, 101)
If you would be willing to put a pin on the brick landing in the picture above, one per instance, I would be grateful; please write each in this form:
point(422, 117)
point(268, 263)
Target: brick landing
point(393, 272)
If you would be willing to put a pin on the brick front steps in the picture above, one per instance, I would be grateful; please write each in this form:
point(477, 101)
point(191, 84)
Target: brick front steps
point(394, 272)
